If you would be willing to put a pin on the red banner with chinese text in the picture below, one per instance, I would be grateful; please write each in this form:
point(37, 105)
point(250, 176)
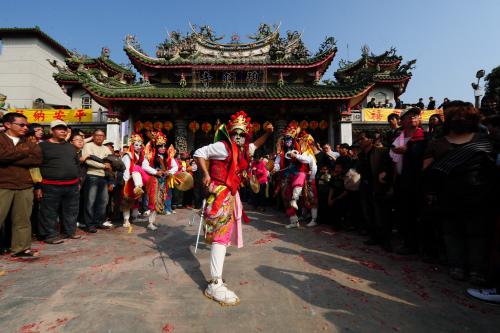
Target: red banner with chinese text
point(45, 116)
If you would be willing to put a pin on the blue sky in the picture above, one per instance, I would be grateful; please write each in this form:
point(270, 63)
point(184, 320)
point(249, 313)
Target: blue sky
point(451, 39)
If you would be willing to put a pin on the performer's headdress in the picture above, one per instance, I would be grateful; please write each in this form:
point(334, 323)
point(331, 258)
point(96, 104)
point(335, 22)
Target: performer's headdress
point(291, 131)
point(135, 137)
point(306, 143)
point(241, 121)
point(159, 138)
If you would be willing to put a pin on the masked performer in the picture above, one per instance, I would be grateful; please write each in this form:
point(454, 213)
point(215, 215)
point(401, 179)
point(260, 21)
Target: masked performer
point(137, 174)
point(155, 154)
point(229, 157)
point(297, 169)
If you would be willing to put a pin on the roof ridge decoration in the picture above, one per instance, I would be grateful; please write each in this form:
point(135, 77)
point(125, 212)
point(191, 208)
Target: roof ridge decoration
point(202, 45)
point(371, 68)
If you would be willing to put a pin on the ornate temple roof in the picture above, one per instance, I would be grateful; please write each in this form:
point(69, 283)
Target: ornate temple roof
point(102, 62)
point(382, 69)
point(202, 47)
point(198, 67)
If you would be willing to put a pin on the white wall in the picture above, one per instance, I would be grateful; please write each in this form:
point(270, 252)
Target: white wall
point(76, 102)
point(378, 92)
point(25, 74)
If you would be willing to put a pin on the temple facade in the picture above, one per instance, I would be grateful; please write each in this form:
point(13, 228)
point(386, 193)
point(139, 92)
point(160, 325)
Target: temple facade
point(194, 81)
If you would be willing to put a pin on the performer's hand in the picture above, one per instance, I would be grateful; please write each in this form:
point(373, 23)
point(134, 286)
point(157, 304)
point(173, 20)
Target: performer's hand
point(206, 180)
point(38, 194)
point(381, 177)
point(293, 154)
point(269, 128)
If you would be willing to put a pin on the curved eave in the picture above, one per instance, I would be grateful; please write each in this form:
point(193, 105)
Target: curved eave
point(114, 71)
point(110, 99)
point(324, 60)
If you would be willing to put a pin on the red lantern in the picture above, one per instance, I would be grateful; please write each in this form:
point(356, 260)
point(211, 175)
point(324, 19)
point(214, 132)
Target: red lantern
point(158, 125)
point(194, 126)
point(148, 125)
point(294, 123)
point(323, 124)
point(206, 127)
point(304, 124)
point(255, 126)
point(138, 126)
point(313, 124)
point(168, 125)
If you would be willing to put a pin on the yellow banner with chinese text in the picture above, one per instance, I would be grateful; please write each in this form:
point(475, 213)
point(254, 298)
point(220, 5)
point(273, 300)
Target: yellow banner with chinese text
point(381, 114)
point(45, 116)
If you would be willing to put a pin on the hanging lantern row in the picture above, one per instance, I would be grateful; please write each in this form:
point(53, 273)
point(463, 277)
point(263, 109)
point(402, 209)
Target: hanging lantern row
point(313, 124)
point(157, 125)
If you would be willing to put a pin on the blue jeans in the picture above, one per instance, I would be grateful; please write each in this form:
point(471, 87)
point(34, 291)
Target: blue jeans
point(168, 201)
point(58, 201)
point(96, 200)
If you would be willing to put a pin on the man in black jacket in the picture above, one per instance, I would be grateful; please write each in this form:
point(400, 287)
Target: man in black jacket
point(60, 193)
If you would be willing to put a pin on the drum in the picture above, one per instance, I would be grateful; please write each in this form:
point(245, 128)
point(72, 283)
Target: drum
point(183, 181)
point(254, 184)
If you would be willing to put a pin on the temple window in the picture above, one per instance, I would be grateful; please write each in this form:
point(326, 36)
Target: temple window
point(86, 102)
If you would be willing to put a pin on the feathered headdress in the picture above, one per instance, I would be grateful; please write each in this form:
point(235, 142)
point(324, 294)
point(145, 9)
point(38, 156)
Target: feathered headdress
point(241, 121)
point(291, 130)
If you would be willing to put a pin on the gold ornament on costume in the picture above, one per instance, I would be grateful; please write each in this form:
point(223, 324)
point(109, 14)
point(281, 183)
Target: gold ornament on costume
point(135, 137)
point(159, 138)
point(241, 121)
point(291, 130)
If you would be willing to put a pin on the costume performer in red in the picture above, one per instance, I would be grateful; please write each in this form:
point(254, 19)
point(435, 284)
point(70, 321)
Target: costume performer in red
point(228, 159)
point(297, 166)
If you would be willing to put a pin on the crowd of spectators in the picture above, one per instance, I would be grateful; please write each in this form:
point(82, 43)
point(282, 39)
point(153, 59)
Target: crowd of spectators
point(431, 191)
point(423, 192)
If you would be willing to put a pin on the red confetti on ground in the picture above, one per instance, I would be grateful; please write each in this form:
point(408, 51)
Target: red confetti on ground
point(167, 328)
point(58, 322)
point(30, 328)
point(269, 238)
point(371, 265)
point(243, 283)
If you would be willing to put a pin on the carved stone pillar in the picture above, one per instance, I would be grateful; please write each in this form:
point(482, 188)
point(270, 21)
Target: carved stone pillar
point(181, 135)
point(113, 127)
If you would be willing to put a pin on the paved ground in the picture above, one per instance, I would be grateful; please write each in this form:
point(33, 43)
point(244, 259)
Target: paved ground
point(288, 280)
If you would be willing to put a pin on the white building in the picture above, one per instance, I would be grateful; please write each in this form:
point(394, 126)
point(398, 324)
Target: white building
point(28, 60)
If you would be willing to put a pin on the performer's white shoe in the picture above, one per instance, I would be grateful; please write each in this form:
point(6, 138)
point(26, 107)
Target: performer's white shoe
point(312, 223)
point(292, 225)
point(218, 291)
point(152, 227)
point(293, 204)
point(126, 224)
point(146, 213)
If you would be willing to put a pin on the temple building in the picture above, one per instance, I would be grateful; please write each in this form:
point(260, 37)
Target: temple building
point(195, 80)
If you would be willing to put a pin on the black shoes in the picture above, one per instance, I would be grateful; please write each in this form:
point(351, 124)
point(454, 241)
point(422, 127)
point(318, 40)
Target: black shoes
point(92, 230)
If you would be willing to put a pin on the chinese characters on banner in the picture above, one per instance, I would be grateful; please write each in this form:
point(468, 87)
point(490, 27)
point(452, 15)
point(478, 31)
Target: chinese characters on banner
point(45, 116)
point(380, 114)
